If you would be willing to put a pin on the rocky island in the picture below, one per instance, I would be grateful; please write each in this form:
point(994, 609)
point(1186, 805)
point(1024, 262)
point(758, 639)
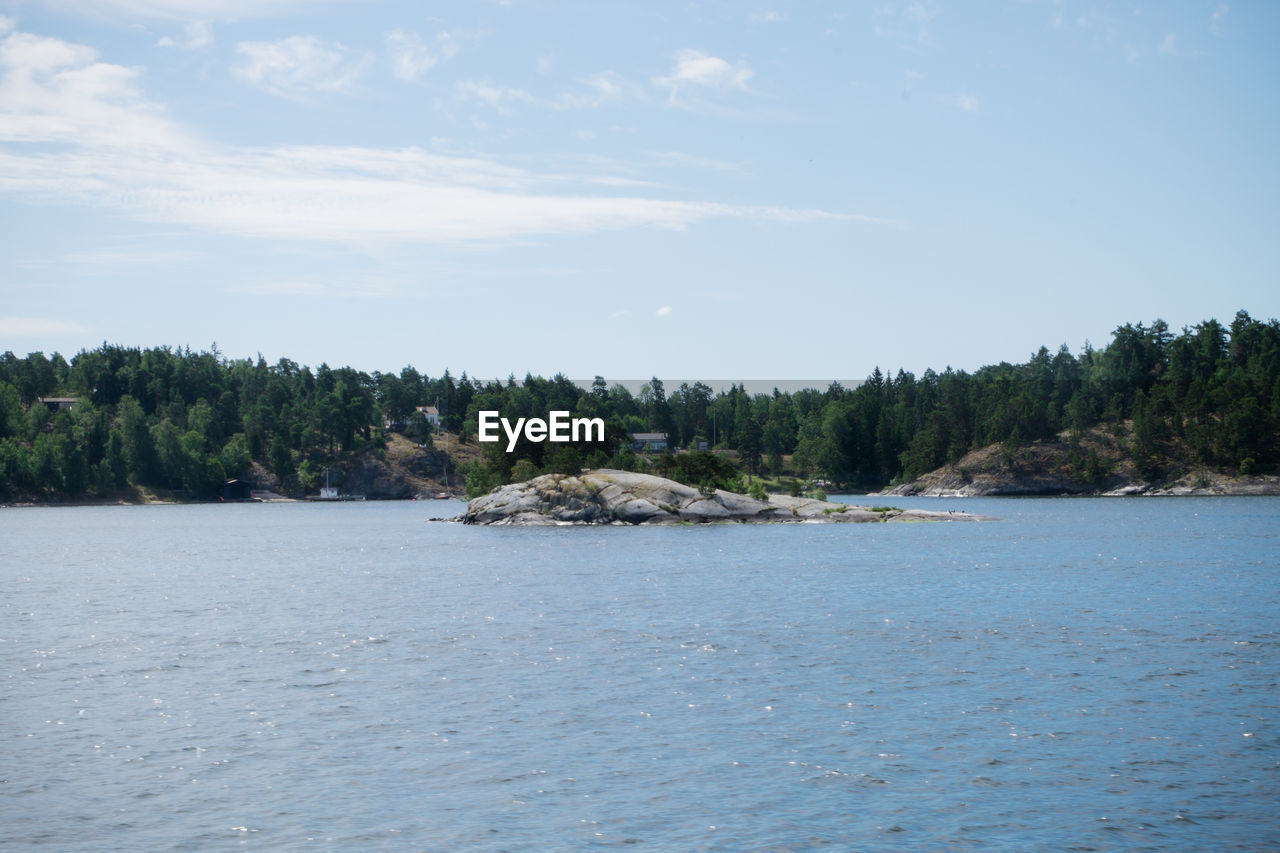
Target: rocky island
point(605, 496)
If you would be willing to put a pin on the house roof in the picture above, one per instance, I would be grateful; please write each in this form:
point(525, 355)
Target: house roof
point(649, 436)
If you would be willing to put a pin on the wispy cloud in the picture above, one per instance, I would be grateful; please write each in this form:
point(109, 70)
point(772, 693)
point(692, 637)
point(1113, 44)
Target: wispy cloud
point(906, 25)
point(1056, 15)
point(698, 69)
point(194, 35)
point(102, 143)
point(298, 66)
point(379, 286)
point(705, 84)
point(910, 80)
point(36, 327)
point(188, 10)
point(664, 311)
point(126, 258)
point(680, 158)
point(498, 97)
point(767, 16)
point(968, 103)
point(411, 56)
point(922, 14)
point(1218, 16)
point(597, 90)
point(1169, 44)
point(593, 91)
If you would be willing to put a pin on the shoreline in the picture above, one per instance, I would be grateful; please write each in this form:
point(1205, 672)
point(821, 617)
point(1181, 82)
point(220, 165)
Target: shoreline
point(162, 502)
point(1133, 491)
point(1256, 487)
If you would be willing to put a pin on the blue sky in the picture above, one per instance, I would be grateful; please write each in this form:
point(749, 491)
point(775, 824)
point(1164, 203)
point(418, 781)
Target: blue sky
point(753, 190)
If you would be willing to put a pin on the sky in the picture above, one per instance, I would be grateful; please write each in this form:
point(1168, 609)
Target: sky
point(747, 189)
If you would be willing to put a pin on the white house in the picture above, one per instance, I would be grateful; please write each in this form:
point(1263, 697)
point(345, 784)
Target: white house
point(430, 413)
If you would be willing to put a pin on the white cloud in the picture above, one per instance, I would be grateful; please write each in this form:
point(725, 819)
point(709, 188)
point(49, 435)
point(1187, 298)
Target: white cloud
point(379, 285)
point(6, 24)
point(35, 327)
point(187, 10)
point(411, 57)
point(298, 66)
point(41, 55)
point(767, 16)
point(103, 144)
point(664, 311)
point(909, 81)
point(695, 68)
point(497, 97)
point(606, 85)
point(680, 158)
point(132, 258)
point(1218, 16)
point(195, 34)
point(55, 91)
point(1055, 18)
point(910, 24)
point(595, 91)
point(968, 103)
point(288, 287)
point(922, 14)
point(1169, 44)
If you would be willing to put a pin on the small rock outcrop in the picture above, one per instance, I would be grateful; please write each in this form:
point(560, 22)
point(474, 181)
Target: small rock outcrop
point(605, 496)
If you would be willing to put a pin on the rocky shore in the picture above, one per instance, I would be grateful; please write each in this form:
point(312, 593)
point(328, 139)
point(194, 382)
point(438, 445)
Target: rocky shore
point(1046, 468)
point(605, 496)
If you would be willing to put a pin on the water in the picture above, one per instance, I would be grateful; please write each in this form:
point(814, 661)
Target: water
point(1088, 674)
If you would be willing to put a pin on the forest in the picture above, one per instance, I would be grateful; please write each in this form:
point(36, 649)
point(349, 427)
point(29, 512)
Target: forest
point(176, 423)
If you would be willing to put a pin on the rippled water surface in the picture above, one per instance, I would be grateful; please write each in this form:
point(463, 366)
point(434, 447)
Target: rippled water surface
point(1091, 674)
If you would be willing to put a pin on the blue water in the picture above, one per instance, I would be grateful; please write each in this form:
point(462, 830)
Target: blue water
point(1085, 674)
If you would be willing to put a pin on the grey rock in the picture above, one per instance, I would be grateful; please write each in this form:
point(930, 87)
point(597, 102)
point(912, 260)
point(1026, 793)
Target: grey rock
point(605, 496)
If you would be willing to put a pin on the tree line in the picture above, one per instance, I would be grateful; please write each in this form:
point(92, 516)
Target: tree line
point(177, 420)
point(181, 421)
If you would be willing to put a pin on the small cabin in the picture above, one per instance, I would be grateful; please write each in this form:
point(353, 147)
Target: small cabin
point(59, 404)
point(648, 442)
point(237, 490)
